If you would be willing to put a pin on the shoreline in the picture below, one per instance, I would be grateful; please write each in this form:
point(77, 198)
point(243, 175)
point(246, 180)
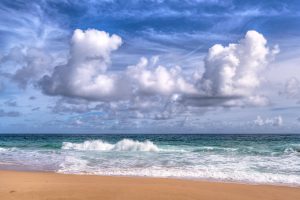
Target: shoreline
point(33, 185)
point(210, 180)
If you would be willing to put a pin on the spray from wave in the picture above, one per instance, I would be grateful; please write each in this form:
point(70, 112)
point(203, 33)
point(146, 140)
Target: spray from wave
point(122, 145)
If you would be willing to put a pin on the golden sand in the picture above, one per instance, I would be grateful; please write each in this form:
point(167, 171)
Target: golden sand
point(52, 186)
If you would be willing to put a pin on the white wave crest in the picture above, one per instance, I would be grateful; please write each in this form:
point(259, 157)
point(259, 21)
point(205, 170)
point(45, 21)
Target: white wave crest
point(7, 149)
point(2, 149)
point(292, 150)
point(122, 145)
point(90, 145)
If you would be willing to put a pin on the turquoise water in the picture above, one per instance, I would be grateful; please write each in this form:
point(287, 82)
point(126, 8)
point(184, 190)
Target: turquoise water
point(271, 159)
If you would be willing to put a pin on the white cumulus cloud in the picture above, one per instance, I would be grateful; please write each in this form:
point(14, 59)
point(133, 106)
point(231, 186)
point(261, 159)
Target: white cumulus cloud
point(275, 121)
point(233, 70)
point(159, 80)
point(231, 74)
point(85, 75)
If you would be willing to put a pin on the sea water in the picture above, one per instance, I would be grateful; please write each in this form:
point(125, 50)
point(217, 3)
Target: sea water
point(267, 159)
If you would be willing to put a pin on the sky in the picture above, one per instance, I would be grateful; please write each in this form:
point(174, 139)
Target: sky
point(150, 66)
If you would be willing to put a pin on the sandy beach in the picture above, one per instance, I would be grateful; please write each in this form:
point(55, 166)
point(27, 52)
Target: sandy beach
point(52, 186)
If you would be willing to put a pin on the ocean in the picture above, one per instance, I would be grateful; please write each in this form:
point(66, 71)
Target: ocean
point(261, 159)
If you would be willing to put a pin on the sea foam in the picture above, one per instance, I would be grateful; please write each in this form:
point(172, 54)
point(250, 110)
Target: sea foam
point(2, 149)
point(122, 145)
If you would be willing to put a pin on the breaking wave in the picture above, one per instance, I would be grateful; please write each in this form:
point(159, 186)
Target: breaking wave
point(292, 150)
point(122, 145)
point(2, 149)
point(7, 149)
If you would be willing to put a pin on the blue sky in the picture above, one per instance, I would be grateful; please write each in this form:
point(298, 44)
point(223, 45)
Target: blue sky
point(151, 66)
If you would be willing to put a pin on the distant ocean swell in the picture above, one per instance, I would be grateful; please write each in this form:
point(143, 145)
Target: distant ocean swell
point(248, 159)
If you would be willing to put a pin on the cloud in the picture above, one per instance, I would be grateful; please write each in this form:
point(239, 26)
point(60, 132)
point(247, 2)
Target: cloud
point(77, 123)
point(30, 64)
point(275, 121)
point(159, 80)
point(291, 88)
point(69, 105)
point(231, 76)
point(29, 24)
point(4, 113)
point(31, 40)
point(85, 75)
point(234, 70)
point(11, 103)
point(37, 64)
point(254, 100)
